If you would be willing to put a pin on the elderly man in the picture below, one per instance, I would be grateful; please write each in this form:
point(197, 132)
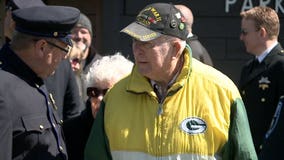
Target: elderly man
point(30, 128)
point(171, 106)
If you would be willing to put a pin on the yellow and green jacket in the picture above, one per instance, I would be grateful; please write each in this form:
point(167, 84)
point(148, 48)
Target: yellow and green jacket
point(203, 117)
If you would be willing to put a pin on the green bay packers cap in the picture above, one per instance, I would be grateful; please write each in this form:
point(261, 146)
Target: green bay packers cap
point(157, 19)
point(47, 21)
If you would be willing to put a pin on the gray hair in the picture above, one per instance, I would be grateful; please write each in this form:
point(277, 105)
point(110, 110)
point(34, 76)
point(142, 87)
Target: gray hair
point(108, 68)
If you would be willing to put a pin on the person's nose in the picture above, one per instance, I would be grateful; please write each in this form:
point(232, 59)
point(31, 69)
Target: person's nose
point(77, 36)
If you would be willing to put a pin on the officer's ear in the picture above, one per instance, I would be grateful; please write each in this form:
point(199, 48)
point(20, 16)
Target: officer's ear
point(40, 45)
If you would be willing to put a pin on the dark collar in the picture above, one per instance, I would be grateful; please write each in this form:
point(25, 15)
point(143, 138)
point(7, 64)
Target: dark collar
point(12, 63)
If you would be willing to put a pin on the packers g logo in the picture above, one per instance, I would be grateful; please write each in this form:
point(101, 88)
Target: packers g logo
point(193, 125)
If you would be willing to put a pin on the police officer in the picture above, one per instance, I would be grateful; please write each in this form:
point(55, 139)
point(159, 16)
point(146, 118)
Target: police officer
point(30, 128)
point(62, 84)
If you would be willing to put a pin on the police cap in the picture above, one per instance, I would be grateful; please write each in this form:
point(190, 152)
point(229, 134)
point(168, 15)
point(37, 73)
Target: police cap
point(47, 21)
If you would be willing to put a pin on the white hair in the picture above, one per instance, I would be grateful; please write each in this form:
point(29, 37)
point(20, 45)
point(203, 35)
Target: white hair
point(107, 69)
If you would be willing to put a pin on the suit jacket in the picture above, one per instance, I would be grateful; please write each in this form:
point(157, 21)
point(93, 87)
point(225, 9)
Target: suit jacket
point(30, 128)
point(261, 85)
point(198, 50)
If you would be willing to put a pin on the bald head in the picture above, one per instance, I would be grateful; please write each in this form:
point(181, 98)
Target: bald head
point(187, 14)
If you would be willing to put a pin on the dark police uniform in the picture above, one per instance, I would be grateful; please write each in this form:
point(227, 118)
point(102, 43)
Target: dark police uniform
point(30, 128)
point(272, 148)
point(62, 85)
point(261, 85)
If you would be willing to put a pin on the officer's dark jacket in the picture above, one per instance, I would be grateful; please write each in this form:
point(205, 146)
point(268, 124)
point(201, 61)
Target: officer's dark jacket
point(261, 85)
point(25, 128)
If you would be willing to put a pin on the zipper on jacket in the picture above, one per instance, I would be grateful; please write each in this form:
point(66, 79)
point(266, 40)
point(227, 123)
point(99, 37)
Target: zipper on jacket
point(160, 109)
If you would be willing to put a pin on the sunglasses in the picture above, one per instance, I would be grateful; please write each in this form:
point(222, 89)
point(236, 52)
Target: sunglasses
point(245, 32)
point(95, 92)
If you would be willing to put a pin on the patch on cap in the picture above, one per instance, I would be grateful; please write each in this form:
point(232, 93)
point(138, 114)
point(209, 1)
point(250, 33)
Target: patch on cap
point(156, 19)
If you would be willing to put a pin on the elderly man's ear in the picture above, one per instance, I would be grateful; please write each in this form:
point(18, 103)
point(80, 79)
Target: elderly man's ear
point(177, 49)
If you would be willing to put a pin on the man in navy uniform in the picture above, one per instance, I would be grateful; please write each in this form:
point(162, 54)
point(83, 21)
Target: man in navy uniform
point(62, 84)
point(261, 81)
point(30, 128)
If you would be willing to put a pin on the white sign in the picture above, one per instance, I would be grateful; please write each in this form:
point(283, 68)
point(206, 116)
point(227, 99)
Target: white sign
point(247, 4)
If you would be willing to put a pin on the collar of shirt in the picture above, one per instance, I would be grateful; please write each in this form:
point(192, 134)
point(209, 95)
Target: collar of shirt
point(162, 92)
point(266, 52)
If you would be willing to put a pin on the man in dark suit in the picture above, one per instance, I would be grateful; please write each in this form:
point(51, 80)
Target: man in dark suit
point(61, 85)
point(30, 127)
point(261, 82)
point(198, 50)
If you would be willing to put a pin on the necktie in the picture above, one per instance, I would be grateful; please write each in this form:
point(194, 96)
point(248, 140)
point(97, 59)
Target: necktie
point(255, 63)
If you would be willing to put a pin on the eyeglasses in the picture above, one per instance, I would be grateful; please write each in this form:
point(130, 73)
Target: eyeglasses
point(147, 45)
point(95, 92)
point(245, 32)
point(66, 50)
point(151, 44)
